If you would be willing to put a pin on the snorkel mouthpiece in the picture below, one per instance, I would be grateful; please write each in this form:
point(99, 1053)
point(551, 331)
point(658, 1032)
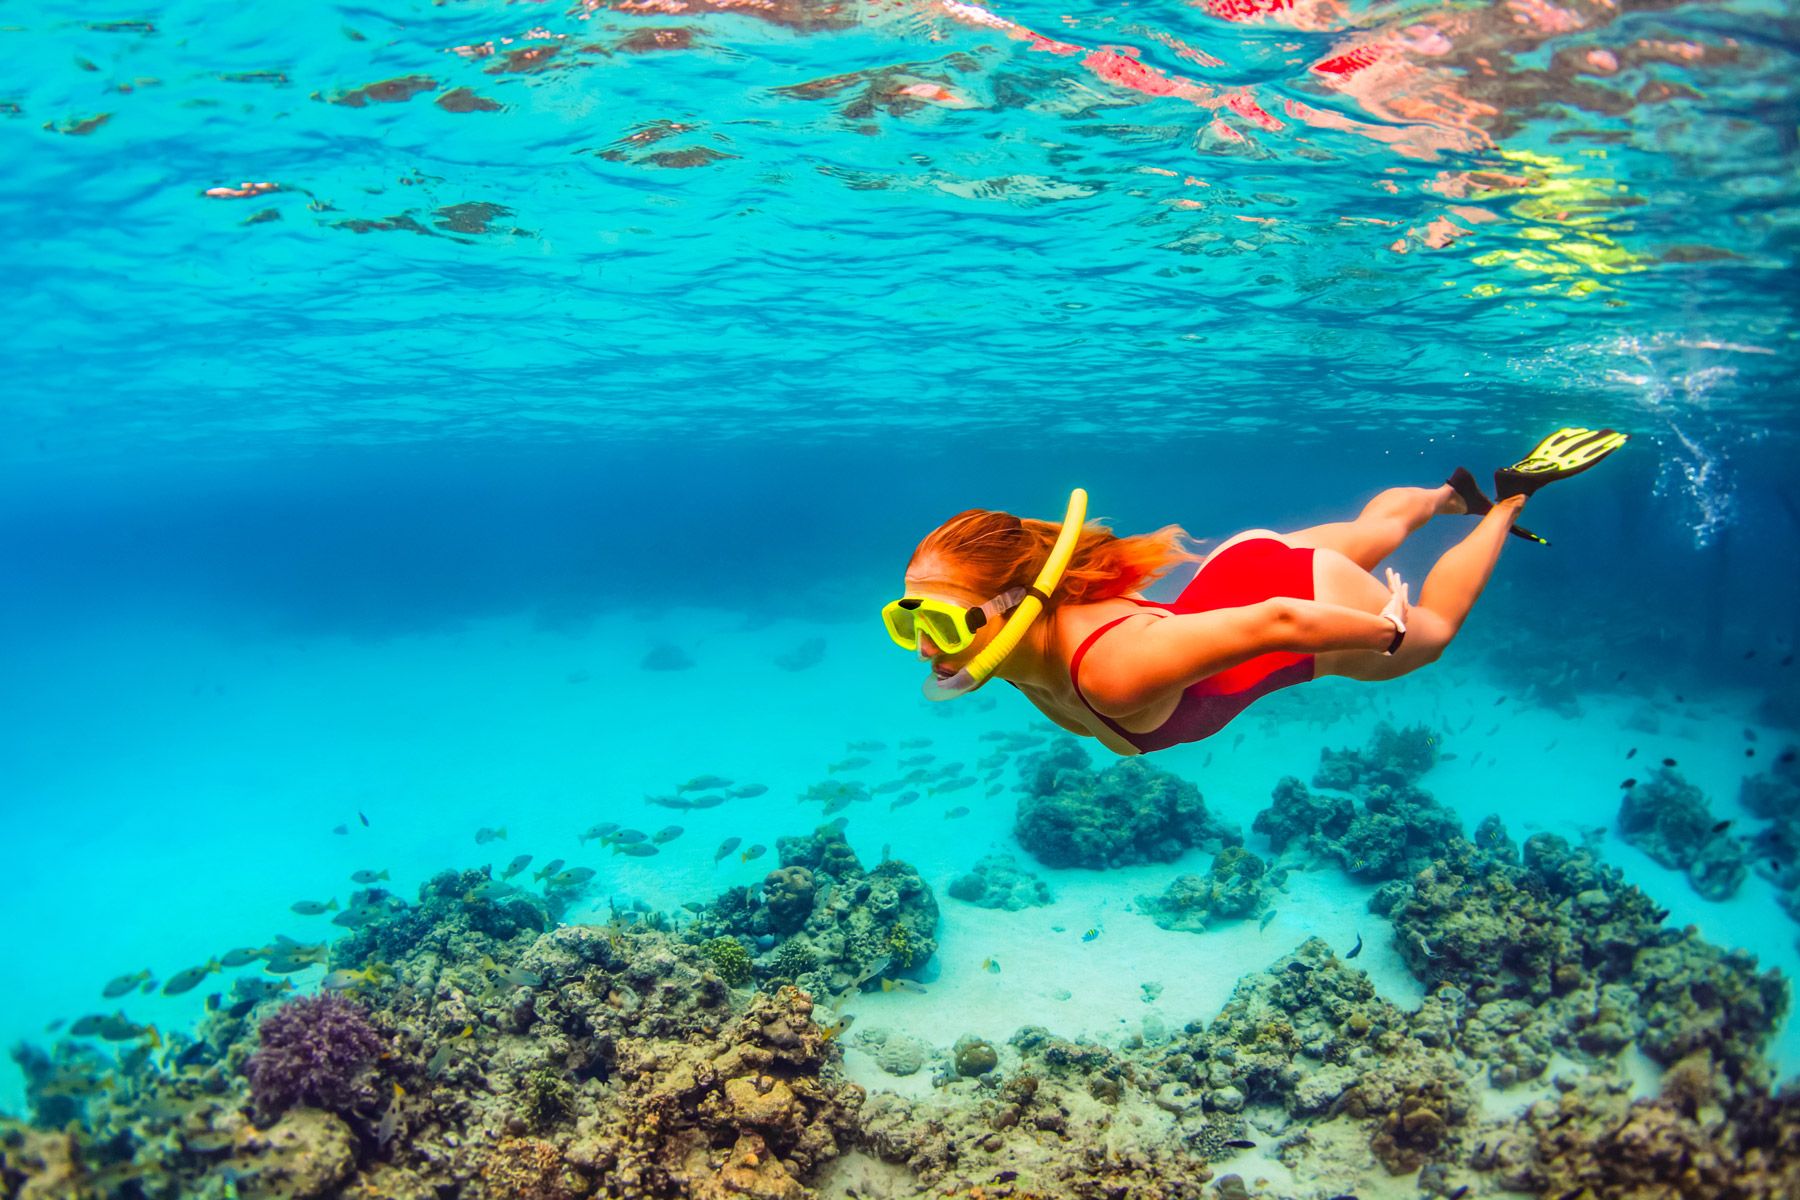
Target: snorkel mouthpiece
point(982, 668)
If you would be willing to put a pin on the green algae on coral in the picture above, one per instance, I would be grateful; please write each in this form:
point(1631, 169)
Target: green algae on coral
point(730, 960)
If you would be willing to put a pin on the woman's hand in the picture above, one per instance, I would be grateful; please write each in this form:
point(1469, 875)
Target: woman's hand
point(1397, 607)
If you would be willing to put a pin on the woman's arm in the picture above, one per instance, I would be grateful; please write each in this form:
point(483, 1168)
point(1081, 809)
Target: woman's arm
point(1134, 665)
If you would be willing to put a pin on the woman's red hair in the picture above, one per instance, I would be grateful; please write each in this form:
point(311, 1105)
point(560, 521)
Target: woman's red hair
point(989, 552)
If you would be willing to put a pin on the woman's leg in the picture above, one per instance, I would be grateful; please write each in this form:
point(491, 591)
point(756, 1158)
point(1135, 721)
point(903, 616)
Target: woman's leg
point(1386, 521)
point(1450, 591)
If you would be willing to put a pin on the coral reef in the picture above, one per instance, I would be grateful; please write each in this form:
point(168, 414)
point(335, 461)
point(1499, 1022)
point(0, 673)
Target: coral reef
point(452, 906)
point(530, 1169)
point(1667, 818)
point(971, 1056)
point(1393, 758)
point(896, 1053)
point(997, 881)
point(1416, 1113)
point(1297, 815)
point(1774, 794)
point(1561, 953)
point(306, 1153)
point(313, 1050)
point(824, 923)
point(1694, 1139)
point(1397, 830)
point(544, 1096)
point(792, 959)
point(788, 892)
point(1236, 886)
point(1131, 812)
point(492, 1058)
point(590, 1061)
point(1073, 1120)
point(1390, 829)
point(757, 1088)
point(729, 959)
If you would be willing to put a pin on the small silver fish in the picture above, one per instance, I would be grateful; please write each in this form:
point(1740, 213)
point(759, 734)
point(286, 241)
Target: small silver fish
point(515, 866)
point(440, 1059)
point(726, 847)
point(389, 1125)
point(184, 981)
point(484, 835)
point(343, 980)
point(573, 877)
point(356, 918)
point(285, 964)
point(124, 983)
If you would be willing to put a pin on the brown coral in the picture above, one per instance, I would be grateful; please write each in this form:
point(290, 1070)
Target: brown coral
point(1418, 1103)
point(530, 1169)
point(1677, 1145)
point(788, 893)
point(758, 1086)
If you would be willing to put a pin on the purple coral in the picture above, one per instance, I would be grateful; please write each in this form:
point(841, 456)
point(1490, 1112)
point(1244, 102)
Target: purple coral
point(312, 1051)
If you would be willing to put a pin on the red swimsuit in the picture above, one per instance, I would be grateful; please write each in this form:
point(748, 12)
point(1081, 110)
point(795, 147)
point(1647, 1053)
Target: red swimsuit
point(1247, 572)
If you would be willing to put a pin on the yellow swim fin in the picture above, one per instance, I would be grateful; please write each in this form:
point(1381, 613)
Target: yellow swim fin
point(1564, 453)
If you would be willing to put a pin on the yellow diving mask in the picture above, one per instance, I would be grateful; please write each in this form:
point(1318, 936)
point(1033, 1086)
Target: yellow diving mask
point(952, 627)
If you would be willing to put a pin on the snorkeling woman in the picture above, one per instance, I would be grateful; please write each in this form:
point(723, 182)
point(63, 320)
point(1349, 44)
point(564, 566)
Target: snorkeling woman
point(1264, 611)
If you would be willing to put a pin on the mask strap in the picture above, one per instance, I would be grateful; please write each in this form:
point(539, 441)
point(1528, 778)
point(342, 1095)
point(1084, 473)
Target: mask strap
point(1005, 602)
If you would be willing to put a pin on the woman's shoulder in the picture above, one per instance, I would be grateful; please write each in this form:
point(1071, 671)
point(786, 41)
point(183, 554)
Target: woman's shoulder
point(1075, 623)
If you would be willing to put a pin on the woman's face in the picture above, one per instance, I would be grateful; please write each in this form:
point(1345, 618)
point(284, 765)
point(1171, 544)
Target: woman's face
point(934, 582)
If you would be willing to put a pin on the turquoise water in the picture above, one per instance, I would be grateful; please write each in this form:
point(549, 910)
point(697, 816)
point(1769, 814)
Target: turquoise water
point(548, 343)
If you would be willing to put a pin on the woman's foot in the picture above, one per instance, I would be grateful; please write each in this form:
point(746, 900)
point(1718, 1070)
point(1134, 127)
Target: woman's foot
point(1470, 499)
point(1465, 495)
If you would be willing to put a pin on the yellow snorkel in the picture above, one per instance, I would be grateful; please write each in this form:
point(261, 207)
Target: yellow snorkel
point(1037, 597)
